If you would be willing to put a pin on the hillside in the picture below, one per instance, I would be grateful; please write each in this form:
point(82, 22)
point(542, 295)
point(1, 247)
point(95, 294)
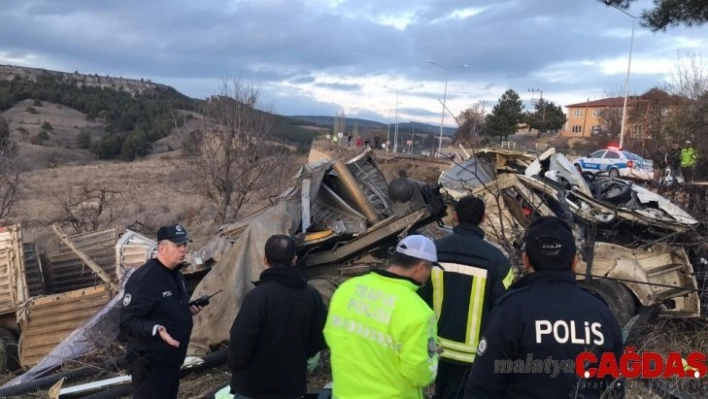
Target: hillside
point(123, 117)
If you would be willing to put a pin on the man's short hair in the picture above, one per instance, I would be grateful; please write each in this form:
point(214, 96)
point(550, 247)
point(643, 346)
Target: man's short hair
point(550, 244)
point(280, 250)
point(470, 209)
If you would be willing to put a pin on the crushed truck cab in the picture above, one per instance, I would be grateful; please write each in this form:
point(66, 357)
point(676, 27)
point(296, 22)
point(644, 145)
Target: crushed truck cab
point(627, 236)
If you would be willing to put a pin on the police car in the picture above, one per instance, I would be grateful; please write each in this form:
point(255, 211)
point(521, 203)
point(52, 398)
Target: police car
point(616, 163)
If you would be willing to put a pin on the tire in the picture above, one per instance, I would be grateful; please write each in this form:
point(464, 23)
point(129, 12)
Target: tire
point(325, 288)
point(614, 173)
point(616, 296)
point(9, 360)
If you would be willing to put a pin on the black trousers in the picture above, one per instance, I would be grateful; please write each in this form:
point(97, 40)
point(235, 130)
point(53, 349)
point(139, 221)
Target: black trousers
point(451, 380)
point(154, 380)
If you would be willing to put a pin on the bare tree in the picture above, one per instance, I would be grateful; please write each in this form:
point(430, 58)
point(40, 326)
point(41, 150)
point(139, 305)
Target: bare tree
point(88, 208)
point(470, 123)
point(233, 151)
point(689, 78)
point(10, 172)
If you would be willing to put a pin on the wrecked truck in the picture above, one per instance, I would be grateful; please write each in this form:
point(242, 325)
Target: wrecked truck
point(346, 217)
point(635, 247)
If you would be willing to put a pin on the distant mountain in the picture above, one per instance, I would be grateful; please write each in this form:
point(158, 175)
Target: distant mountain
point(328, 121)
point(418, 127)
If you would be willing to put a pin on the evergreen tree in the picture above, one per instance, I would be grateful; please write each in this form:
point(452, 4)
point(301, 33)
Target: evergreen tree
point(668, 13)
point(506, 115)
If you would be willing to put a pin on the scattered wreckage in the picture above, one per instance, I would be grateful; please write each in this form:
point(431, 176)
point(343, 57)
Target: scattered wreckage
point(635, 247)
point(347, 218)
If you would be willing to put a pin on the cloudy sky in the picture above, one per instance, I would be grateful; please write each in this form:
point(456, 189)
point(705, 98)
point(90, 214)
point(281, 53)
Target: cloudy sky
point(317, 57)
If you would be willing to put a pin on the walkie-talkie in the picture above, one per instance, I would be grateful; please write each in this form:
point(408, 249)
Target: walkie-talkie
point(203, 300)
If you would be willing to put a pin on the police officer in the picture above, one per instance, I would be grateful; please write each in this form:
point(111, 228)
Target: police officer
point(476, 273)
point(156, 317)
point(542, 324)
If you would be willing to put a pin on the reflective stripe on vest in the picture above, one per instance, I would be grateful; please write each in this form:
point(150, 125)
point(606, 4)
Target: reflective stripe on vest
point(462, 351)
point(508, 279)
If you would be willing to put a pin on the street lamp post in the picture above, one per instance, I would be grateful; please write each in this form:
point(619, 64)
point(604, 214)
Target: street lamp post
point(442, 121)
point(395, 129)
point(388, 126)
point(626, 80)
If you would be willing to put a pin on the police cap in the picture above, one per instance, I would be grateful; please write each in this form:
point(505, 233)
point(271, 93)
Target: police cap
point(550, 244)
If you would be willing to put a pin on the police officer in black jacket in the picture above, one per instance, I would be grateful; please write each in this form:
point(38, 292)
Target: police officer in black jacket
point(156, 318)
point(542, 324)
point(476, 273)
point(278, 328)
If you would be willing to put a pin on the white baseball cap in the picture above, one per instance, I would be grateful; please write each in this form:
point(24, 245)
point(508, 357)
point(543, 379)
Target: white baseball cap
point(418, 246)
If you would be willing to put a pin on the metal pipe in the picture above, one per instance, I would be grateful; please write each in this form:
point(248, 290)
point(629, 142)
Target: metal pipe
point(355, 192)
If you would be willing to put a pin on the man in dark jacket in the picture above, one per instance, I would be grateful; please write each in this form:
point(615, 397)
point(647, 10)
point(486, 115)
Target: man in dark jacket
point(538, 329)
point(475, 274)
point(156, 318)
point(278, 328)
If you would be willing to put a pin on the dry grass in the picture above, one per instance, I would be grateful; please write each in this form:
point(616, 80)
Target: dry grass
point(66, 122)
point(150, 193)
point(667, 335)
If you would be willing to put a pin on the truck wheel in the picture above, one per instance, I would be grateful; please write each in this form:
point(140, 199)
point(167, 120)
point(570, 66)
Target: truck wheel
point(8, 352)
point(617, 297)
point(325, 288)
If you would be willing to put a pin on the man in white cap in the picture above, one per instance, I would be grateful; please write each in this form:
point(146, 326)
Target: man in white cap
point(381, 334)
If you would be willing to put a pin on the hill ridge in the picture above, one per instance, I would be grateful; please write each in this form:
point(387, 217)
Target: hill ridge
point(133, 86)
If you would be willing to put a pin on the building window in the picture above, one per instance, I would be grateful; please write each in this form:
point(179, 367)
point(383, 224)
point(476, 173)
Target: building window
point(596, 113)
point(577, 113)
point(577, 129)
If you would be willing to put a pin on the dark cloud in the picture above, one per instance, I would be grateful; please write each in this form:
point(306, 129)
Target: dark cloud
point(508, 44)
point(340, 86)
point(418, 112)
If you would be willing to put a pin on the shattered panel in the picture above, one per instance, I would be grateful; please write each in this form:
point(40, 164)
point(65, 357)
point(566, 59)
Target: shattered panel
point(68, 272)
point(52, 318)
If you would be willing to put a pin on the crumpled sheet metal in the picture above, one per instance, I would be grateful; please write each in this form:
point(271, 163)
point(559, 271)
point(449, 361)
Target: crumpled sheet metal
point(100, 330)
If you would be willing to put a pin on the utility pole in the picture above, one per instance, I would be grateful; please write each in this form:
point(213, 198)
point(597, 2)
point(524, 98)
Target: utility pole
point(543, 105)
point(442, 122)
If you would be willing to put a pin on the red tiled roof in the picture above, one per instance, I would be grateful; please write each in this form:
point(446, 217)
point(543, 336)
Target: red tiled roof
point(612, 102)
point(605, 102)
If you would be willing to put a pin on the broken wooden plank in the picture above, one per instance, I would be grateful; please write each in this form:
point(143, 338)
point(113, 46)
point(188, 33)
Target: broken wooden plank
point(90, 263)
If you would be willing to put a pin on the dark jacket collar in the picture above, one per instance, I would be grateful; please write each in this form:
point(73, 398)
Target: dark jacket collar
point(388, 274)
point(469, 230)
point(165, 268)
point(544, 277)
point(288, 275)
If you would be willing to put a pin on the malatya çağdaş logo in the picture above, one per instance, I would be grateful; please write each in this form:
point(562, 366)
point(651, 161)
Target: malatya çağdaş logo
point(641, 365)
